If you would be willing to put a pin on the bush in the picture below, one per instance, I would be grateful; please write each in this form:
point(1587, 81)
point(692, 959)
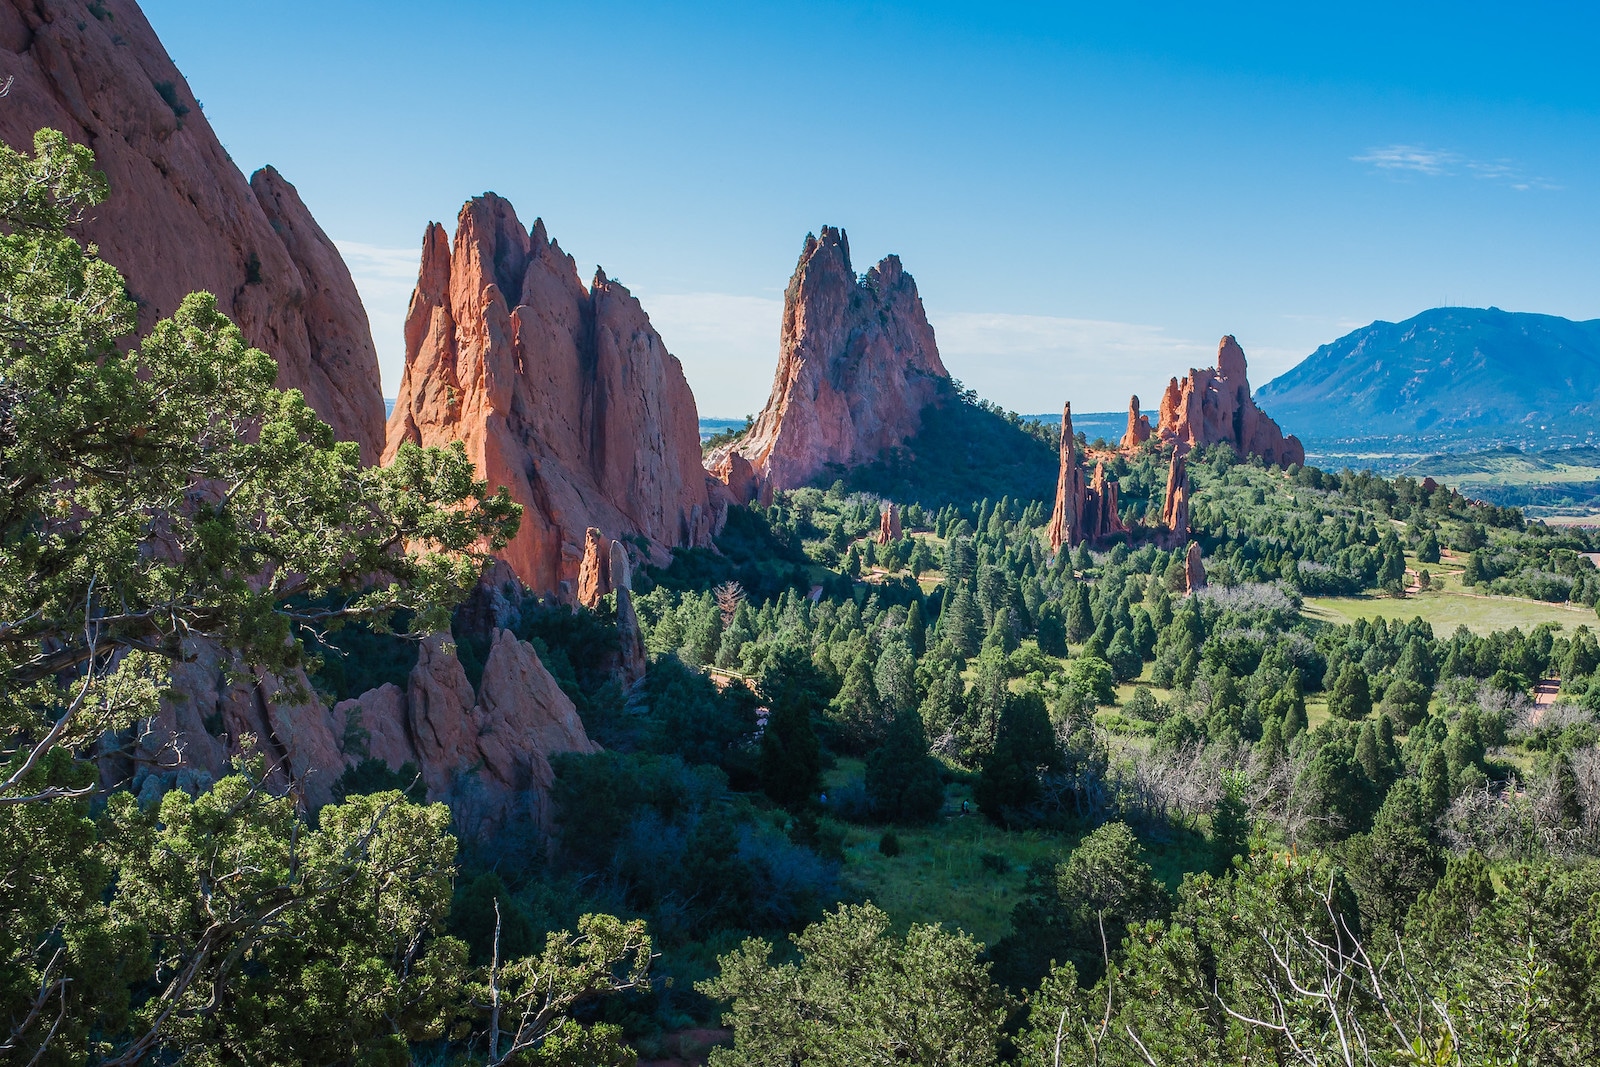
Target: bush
point(889, 844)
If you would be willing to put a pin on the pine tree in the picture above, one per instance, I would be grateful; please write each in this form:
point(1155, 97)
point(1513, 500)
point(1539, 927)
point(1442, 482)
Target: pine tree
point(1351, 698)
point(1230, 825)
point(1435, 783)
point(1080, 617)
point(903, 781)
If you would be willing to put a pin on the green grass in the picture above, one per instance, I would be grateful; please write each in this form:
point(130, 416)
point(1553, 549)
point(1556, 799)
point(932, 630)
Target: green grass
point(939, 875)
point(1445, 610)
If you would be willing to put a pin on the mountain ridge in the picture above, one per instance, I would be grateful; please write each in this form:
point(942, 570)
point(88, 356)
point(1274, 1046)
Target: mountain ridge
point(1446, 371)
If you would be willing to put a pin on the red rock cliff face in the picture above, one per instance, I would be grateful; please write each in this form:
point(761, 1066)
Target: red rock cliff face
point(857, 363)
point(566, 395)
point(181, 216)
point(1214, 404)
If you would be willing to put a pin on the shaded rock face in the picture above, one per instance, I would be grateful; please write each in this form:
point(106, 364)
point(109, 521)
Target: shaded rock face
point(889, 528)
point(486, 751)
point(1138, 427)
point(1175, 505)
point(181, 217)
point(566, 395)
point(1083, 511)
point(1214, 404)
point(1194, 572)
point(730, 467)
point(857, 363)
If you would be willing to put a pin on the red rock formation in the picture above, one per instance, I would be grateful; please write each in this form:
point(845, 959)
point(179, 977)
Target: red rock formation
point(1194, 572)
point(487, 750)
point(565, 395)
point(1101, 519)
point(1138, 427)
point(1065, 526)
point(1082, 512)
point(1214, 404)
point(181, 216)
point(889, 524)
point(857, 363)
point(594, 573)
point(1175, 506)
point(730, 467)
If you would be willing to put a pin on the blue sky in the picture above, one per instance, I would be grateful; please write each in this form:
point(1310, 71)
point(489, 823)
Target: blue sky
point(1088, 196)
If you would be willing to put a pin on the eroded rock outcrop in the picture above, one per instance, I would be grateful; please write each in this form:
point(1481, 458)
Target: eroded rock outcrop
point(181, 216)
point(1175, 504)
point(564, 394)
point(1214, 404)
point(1083, 511)
point(857, 364)
point(730, 467)
point(889, 528)
point(486, 749)
point(1194, 572)
point(1138, 431)
point(594, 573)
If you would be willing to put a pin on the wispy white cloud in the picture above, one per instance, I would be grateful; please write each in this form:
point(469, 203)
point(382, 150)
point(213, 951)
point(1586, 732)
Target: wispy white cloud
point(1402, 159)
point(1031, 363)
point(1406, 157)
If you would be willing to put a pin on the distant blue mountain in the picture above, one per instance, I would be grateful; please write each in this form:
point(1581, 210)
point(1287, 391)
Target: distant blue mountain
point(1448, 372)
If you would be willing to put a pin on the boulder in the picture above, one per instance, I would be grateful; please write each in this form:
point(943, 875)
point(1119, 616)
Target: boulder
point(565, 394)
point(1214, 404)
point(857, 363)
point(180, 216)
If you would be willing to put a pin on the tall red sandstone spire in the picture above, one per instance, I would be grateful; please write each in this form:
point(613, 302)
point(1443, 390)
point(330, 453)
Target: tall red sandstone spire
point(1175, 505)
point(1138, 427)
point(181, 217)
point(857, 363)
point(564, 394)
point(1065, 520)
point(1214, 404)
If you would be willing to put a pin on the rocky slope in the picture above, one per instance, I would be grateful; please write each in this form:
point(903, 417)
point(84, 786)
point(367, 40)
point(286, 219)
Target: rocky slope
point(1447, 372)
point(486, 751)
point(1214, 404)
point(565, 394)
point(181, 216)
point(857, 363)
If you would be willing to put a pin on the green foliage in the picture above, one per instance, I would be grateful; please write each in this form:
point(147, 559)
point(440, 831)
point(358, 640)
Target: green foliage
point(860, 995)
point(1350, 698)
point(1078, 911)
point(902, 780)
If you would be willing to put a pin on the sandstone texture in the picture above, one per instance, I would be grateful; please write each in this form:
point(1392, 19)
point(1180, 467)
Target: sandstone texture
point(1083, 511)
point(889, 528)
point(730, 467)
point(487, 749)
point(857, 364)
point(1138, 427)
point(594, 573)
point(1175, 504)
point(1194, 572)
point(181, 217)
point(1214, 404)
point(565, 394)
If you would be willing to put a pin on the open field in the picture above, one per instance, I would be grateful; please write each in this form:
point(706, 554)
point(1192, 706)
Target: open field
point(1447, 609)
point(941, 871)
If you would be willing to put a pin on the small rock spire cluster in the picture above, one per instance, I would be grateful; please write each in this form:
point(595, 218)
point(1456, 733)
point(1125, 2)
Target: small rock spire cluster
point(889, 523)
point(1083, 512)
point(1214, 404)
point(1138, 427)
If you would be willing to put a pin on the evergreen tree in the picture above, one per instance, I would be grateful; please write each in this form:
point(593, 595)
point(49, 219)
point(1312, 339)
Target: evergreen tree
point(789, 765)
point(1428, 551)
point(1435, 783)
point(1350, 698)
point(1080, 617)
point(961, 623)
point(1051, 630)
point(857, 707)
point(903, 781)
point(1230, 825)
point(1026, 745)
